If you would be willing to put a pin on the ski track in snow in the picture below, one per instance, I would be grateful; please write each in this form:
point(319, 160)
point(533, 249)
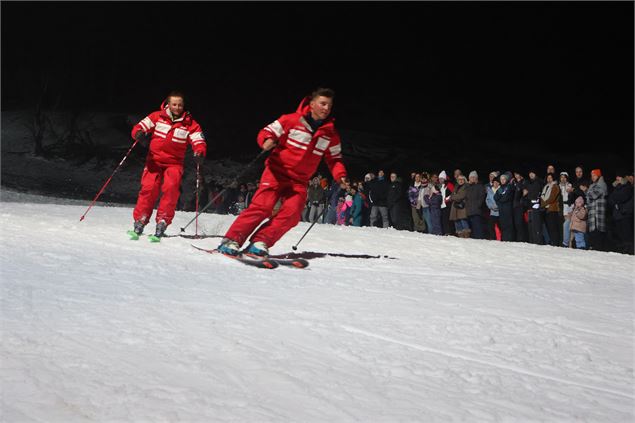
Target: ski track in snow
point(96, 327)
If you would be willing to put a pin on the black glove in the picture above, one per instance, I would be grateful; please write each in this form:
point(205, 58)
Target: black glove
point(199, 158)
point(141, 137)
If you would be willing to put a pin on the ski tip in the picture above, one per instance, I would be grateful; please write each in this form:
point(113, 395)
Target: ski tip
point(300, 263)
point(153, 238)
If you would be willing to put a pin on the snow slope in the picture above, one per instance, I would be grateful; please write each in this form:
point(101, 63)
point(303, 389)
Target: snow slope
point(99, 328)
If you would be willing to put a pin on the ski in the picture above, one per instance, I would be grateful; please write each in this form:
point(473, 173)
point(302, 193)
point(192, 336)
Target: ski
point(154, 238)
point(298, 263)
point(133, 235)
point(259, 263)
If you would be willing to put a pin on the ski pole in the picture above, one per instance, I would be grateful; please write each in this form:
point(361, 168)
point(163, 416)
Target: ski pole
point(108, 181)
point(295, 247)
point(197, 186)
point(225, 189)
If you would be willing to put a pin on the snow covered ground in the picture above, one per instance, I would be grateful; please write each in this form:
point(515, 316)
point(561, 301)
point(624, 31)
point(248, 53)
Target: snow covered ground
point(96, 327)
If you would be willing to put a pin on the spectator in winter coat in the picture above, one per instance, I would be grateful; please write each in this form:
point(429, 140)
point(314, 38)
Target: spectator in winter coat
point(531, 203)
point(445, 189)
point(396, 202)
point(474, 201)
point(334, 193)
point(434, 200)
point(425, 190)
point(356, 208)
point(504, 198)
point(365, 204)
point(565, 189)
point(298, 142)
point(378, 196)
point(621, 205)
point(492, 222)
point(171, 129)
point(458, 213)
point(550, 203)
point(415, 205)
point(316, 198)
point(519, 211)
point(575, 189)
point(343, 209)
point(490, 227)
point(596, 206)
point(578, 217)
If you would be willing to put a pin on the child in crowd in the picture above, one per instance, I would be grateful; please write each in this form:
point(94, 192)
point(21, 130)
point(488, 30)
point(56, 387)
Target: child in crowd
point(578, 218)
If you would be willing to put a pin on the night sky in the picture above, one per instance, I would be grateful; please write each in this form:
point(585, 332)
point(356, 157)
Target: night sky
point(556, 77)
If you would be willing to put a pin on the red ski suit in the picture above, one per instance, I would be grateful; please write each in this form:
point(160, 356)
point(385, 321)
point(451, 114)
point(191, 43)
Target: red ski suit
point(164, 163)
point(287, 172)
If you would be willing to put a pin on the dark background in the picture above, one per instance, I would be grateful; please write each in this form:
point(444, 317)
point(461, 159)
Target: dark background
point(481, 85)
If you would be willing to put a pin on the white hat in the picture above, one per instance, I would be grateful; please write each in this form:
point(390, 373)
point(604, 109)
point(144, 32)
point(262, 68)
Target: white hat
point(443, 175)
point(473, 173)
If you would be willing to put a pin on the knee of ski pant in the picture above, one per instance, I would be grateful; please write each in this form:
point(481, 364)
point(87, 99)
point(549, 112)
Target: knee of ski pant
point(149, 182)
point(172, 178)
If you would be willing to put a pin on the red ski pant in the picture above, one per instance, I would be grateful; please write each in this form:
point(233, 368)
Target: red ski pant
point(156, 178)
point(272, 189)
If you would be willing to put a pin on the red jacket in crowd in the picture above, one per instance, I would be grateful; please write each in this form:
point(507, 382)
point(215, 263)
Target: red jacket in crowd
point(169, 140)
point(299, 150)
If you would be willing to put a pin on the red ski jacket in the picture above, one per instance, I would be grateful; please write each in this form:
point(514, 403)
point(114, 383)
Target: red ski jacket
point(170, 138)
point(300, 150)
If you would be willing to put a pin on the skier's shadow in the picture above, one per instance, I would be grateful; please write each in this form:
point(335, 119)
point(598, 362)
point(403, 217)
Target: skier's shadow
point(203, 236)
point(308, 255)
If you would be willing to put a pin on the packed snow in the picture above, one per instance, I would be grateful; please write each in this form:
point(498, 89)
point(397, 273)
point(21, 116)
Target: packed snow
point(96, 327)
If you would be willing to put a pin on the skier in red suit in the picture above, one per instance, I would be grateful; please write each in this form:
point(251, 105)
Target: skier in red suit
point(170, 130)
point(298, 142)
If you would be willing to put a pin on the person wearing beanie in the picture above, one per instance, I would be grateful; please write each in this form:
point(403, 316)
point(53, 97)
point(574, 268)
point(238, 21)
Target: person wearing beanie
point(504, 198)
point(621, 205)
point(493, 174)
point(473, 174)
point(596, 206)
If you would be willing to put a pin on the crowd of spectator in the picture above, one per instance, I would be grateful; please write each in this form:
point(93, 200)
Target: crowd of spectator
point(556, 209)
